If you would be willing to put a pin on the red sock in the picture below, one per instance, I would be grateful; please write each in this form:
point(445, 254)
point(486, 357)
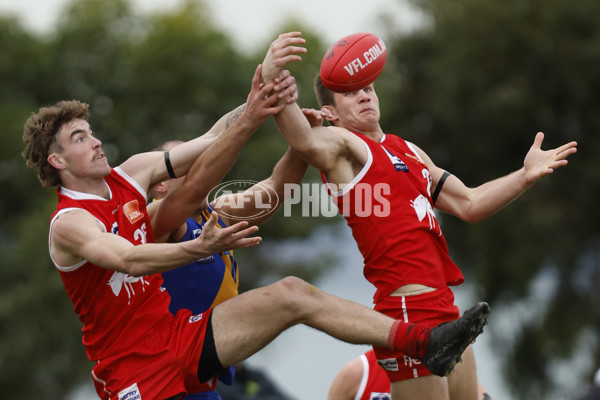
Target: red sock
point(411, 339)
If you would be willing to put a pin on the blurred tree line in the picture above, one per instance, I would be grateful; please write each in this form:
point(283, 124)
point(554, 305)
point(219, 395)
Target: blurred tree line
point(471, 87)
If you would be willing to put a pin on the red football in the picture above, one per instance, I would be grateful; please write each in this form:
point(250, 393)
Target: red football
point(353, 62)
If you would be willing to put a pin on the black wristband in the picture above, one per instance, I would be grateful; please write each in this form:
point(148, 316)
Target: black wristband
point(169, 166)
point(438, 188)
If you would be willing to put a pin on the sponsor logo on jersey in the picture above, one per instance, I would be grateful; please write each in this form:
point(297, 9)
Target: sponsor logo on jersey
point(399, 165)
point(417, 159)
point(132, 211)
point(130, 393)
point(411, 362)
point(115, 228)
point(389, 364)
point(195, 318)
point(380, 396)
point(205, 260)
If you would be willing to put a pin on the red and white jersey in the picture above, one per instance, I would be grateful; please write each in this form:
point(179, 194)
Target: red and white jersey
point(116, 309)
point(374, 384)
point(388, 206)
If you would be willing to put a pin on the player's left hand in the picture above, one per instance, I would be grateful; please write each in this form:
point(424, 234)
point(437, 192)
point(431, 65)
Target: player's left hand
point(539, 163)
point(282, 51)
point(216, 240)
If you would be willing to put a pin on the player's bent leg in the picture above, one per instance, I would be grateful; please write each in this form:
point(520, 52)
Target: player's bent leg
point(462, 383)
point(246, 323)
point(429, 387)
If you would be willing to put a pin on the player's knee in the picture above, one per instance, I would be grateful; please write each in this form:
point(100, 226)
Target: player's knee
point(294, 287)
point(292, 293)
point(293, 284)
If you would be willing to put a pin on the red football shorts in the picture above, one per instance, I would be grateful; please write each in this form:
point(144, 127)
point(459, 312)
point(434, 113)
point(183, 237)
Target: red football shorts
point(431, 309)
point(162, 364)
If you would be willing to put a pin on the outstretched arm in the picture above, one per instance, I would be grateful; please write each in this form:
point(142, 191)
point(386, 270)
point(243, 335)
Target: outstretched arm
point(77, 235)
point(475, 204)
point(208, 170)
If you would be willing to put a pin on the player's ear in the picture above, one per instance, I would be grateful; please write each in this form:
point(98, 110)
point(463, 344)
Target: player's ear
point(330, 114)
point(56, 161)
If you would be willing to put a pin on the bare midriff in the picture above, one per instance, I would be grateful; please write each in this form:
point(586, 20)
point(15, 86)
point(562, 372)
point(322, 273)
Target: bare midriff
point(412, 289)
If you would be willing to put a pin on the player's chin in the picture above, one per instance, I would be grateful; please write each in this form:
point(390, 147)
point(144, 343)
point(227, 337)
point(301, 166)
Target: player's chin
point(369, 116)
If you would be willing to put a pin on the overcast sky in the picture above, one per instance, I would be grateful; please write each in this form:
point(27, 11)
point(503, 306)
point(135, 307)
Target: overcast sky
point(252, 23)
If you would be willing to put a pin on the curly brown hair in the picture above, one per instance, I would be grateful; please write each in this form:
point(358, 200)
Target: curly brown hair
point(39, 135)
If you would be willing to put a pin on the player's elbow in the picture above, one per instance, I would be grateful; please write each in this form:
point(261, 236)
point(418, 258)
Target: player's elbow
point(304, 148)
point(134, 269)
point(471, 218)
point(192, 189)
point(467, 212)
point(318, 157)
point(472, 214)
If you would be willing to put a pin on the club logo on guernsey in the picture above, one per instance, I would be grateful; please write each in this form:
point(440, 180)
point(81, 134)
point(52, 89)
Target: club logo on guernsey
point(119, 280)
point(132, 211)
point(360, 63)
point(423, 209)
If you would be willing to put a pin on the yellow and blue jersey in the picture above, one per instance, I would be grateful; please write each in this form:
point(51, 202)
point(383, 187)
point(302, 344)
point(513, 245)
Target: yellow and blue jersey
point(203, 283)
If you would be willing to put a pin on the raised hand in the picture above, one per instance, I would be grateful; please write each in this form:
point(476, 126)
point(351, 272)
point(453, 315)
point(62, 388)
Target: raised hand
point(263, 99)
point(259, 104)
point(282, 51)
point(539, 163)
